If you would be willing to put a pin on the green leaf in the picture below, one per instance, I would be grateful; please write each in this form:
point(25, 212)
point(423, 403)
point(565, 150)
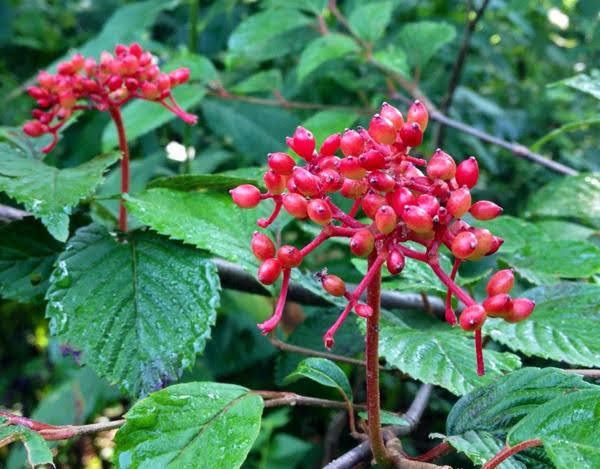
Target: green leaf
point(568, 427)
point(394, 59)
point(558, 229)
point(265, 81)
point(140, 310)
point(582, 124)
point(321, 50)
point(253, 130)
point(27, 253)
point(481, 446)
point(434, 352)
point(387, 418)
point(576, 197)
point(324, 372)
point(422, 40)
point(324, 123)
point(313, 6)
point(370, 20)
point(38, 452)
point(562, 327)
point(258, 36)
point(544, 262)
point(515, 232)
point(190, 182)
point(141, 117)
point(48, 192)
point(584, 83)
point(190, 425)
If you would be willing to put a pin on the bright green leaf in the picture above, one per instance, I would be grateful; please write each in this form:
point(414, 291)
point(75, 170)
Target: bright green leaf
point(422, 40)
point(190, 425)
point(582, 124)
point(38, 452)
point(393, 59)
point(371, 19)
point(48, 192)
point(139, 309)
point(559, 229)
point(584, 83)
point(261, 82)
point(313, 6)
point(387, 418)
point(324, 372)
point(321, 50)
point(481, 446)
point(189, 182)
point(324, 123)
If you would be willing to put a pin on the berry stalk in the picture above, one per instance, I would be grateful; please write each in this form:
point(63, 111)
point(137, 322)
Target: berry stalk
point(115, 113)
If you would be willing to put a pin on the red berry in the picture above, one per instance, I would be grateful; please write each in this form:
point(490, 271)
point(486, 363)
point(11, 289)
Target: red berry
point(333, 285)
point(303, 143)
point(381, 182)
point(417, 112)
point(163, 82)
point(441, 166)
point(331, 180)
point(417, 219)
point(120, 49)
point(362, 243)
point(521, 309)
point(274, 182)
point(485, 242)
point(131, 84)
point(296, 205)
point(372, 160)
point(472, 317)
point(429, 203)
point(354, 188)
point(459, 202)
point(268, 271)
point(281, 163)
point(399, 198)
point(498, 241)
point(129, 64)
point(395, 261)
point(467, 172)
point(262, 247)
point(34, 128)
point(37, 93)
point(501, 282)
point(150, 90)
point(89, 66)
point(350, 167)
point(485, 210)
point(498, 305)
point(329, 162)
point(180, 75)
point(382, 130)
point(289, 256)
point(318, 211)
point(245, 196)
point(330, 145)
point(385, 219)
point(352, 143)
point(411, 134)
point(392, 114)
point(463, 244)
point(114, 82)
point(371, 203)
point(363, 310)
point(306, 182)
point(135, 49)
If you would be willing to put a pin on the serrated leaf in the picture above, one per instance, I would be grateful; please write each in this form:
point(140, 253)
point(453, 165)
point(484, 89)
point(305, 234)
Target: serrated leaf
point(324, 372)
point(544, 262)
point(575, 197)
point(568, 427)
point(422, 40)
point(370, 20)
point(264, 81)
point(386, 418)
point(481, 446)
point(323, 49)
point(140, 310)
point(27, 253)
point(190, 425)
point(584, 83)
point(562, 327)
point(48, 192)
point(140, 117)
point(38, 452)
point(515, 232)
point(433, 352)
point(324, 123)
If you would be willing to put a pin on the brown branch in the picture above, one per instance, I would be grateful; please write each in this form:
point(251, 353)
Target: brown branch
point(315, 353)
point(10, 213)
point(276, 399)
point(394, 447)
point(509, 451)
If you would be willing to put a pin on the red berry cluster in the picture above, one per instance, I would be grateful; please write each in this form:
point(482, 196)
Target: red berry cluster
point(404, 202)
point(82, 83)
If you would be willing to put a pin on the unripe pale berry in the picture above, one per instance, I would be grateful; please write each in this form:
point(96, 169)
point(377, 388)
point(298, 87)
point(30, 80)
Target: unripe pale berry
point(498, 305)
point(399, 198)
point(363, 310)
point(417, 219)
point(268, 271)
point(303, 143)
point(354, 188)
point(289, 256)
point(521, 309)
point(372, 160)
point(485, 241)
point(352, 143)
point(295, 204)
point(463, 244)
point(245, 196)
point(411, 134)
point(501, 282)
point(467, 172)
point(281, 163)
point(318, 211)
point(386, 219)
point(331, 180)
point(381, 182)
point(472, 317)
point(429, 203)
point(306, 182)
point(371, 203)
point(459, 202)
point(274, 182)
point(362, 243)
point(333, 285)
point(441, 166)
point(330, 145)
point(392, 114)
point(350, 168)
point(262, 247)
point(417, 112)
point(485, 210)
point(395, 261)
point(382, 130)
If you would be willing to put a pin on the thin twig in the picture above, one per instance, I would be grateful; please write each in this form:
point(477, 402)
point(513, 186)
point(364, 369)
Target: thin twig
point(276, 399)
point(315, 353)
point(9, 213)
point(584, 372)
point(509, 451)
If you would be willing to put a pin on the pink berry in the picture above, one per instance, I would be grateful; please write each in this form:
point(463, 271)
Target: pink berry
point(269, 271)
point(296, 205)
point(318, 211)
point(333, 285)
point(485, 210)
point(381, 182)
point(303, 143)
point(472, 317)
point(329, 162)
point(331, 180)
point(372, 160)
point(498, 241)
point(274, 182)
point(262, 247)
point(395, 261)
point(330, 145)
point(371, 203)
point(463, 244)
point(429, 203)
point(399, 198)
point(417, 112)
point(459, 202)
point(382, 130)
point(521, 309)
point(363, 310)
point(281, 163)
point(352, 143)
point(245, 196)
point(386, 219)
point(392, 114)
point(501, 282)
point(441, 166)
point(289, 256)
point(362, 243)
point(354, 188)
point(34, 128)
point(306, 182)
point(417, 219)
point(485, 241)
point(135, 49)
point(411, 134)
point(350, 168)
point(498, 305)
point(467, 172)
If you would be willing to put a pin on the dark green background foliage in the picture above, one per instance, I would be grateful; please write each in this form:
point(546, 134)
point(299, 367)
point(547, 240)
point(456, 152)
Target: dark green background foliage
point(92, 325)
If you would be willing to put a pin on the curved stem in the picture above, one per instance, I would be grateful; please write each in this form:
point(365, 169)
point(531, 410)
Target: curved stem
point(450, 315)
point(115, 113)
point(509, 451)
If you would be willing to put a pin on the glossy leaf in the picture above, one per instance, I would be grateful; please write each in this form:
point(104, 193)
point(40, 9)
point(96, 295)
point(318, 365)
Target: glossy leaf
point(393, 59)
point(481, 446)
point(515, 232)
point(371, 19)
point(48, 192)
point(321, 50)
point(139, 310)
point(422, 40)
point(190, 425)
point(562, 327)
point(559, 229)
point(324, 372)
point(37, 449)
point(191, 182)
point(324, 123)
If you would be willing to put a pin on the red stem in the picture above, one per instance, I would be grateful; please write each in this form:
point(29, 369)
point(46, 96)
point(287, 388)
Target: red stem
point(509, 451)
point(262, 222)
point(344, 218)
point(116, 116)
point(479, 353)
point(323, 236)
point(271, 323)
point(354, 210)
point(450, 316)
point(456, 290)
point(436, 452)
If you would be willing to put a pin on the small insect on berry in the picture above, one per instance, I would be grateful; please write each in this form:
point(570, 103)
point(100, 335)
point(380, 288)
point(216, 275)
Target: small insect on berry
point(485, 210)
point(501, 282)
point(467, 172)
point(362, 243)
point(262, 247)
point(472, 317)
point(269, 271)
point(245, 196)
point(333, 285)
point(289, 256)
point(318, 211)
